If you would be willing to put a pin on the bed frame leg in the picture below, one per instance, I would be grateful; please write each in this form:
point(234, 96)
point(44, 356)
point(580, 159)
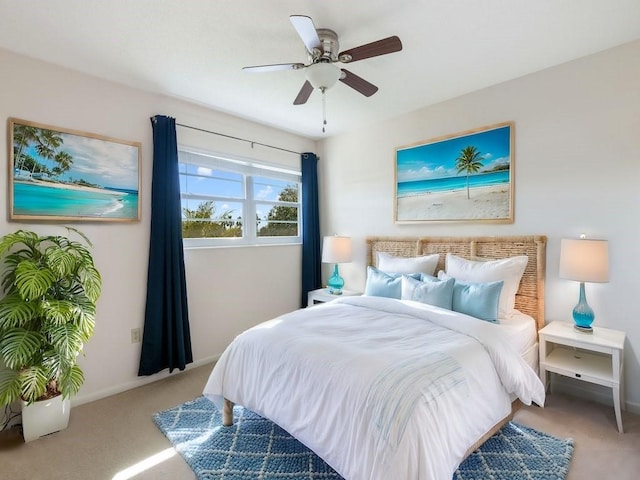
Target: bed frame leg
point(227, 413)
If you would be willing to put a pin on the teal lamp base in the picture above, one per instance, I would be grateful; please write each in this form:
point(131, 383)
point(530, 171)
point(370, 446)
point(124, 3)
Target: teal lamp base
point(335, 282)
point(583, 314)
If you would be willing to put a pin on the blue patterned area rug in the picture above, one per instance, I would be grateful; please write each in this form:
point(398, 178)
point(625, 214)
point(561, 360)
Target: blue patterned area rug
point(257, 449)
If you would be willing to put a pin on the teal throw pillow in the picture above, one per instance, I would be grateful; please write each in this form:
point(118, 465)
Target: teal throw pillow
point(432, 291)
point(429, 278)
point(383, 284)
point(480, 300)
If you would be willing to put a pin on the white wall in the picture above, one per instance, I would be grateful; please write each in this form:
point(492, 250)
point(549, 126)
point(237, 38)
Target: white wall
point(229, 289)
point(577, 169)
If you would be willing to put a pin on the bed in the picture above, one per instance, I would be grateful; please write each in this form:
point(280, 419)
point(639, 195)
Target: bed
point(386, 388)
point(529, 299)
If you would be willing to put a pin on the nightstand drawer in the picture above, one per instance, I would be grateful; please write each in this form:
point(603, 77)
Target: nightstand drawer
point(322, 295)
point(587, 366)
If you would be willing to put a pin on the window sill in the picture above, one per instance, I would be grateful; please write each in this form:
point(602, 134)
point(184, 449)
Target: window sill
point(242, 245)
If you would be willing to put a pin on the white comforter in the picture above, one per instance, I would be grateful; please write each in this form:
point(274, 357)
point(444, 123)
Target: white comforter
point(378, 388)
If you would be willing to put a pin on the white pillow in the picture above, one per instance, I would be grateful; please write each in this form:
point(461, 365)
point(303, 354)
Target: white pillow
point(425, 264)
point(509, 270)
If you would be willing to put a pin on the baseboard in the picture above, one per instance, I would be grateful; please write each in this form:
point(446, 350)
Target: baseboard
point(107, 392)
point(633, 407)
point(589, 391)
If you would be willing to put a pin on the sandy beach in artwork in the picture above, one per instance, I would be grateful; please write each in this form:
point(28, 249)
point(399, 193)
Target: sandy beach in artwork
point(71, 186)
point(486, 203)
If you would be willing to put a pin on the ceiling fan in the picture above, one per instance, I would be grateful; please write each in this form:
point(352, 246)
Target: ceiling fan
point(323, 53)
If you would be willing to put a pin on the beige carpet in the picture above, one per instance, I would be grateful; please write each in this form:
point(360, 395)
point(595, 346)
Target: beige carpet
point(109, 436)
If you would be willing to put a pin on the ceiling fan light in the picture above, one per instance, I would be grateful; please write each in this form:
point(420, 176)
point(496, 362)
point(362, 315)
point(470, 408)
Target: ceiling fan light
point(323, 75)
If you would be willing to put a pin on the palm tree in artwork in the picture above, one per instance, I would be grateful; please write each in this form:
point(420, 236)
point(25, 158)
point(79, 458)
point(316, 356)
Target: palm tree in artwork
point(64, 162)
point(23, 136)
point(47, 144)
point(469, 161)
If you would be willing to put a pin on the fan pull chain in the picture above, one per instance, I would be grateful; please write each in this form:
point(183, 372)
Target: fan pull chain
point(324, 109)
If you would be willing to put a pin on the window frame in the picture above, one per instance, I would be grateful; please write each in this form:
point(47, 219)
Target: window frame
point(248, 168)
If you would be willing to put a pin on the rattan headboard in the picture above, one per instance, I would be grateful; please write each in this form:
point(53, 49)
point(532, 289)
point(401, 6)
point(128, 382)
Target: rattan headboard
point(530, 295)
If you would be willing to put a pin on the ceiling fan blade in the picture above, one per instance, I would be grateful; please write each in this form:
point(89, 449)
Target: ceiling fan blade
point(373, 49)
point(357, 83)
point(304, 93)
point(273, 68)
point(307, 31)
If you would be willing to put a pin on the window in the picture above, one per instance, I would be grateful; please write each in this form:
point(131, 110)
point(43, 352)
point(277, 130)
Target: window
point(221, 194)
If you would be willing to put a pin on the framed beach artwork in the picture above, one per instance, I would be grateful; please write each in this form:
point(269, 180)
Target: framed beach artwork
point(67, 175)
point(467, 176)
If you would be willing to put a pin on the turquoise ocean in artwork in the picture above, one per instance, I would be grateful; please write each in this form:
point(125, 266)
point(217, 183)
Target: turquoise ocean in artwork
point(42, 200)
point(418, 187)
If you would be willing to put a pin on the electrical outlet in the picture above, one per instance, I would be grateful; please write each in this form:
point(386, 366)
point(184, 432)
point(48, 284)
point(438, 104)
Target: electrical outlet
point(135, 335)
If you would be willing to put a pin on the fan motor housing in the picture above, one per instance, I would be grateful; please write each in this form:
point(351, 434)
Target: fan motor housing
point(329, 45)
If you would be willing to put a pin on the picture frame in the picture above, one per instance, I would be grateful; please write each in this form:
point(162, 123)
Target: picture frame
point(463, 177)
point(60, 174)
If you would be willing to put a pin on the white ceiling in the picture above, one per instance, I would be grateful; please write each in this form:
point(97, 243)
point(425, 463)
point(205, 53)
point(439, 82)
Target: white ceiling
point(195, 49)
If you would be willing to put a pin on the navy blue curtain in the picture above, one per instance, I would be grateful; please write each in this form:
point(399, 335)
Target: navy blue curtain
point(166, 342)
point(311, 256)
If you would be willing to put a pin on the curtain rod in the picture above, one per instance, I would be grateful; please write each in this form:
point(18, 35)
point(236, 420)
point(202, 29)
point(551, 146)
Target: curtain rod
point(238, 138)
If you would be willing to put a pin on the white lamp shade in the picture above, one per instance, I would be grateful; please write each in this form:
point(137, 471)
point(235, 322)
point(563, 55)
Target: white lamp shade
point(584, 260)
point(323, 75)
point(336, 249)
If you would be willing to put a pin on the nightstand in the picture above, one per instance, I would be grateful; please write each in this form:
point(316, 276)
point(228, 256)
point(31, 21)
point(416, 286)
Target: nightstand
point(322, 295)
point(591, 357)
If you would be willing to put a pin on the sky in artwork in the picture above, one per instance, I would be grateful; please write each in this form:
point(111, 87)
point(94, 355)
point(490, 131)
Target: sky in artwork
point(104, 163)
point(438, 159)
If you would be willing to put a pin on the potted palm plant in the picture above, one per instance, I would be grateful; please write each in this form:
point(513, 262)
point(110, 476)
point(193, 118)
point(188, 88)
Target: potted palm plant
point(47, 314)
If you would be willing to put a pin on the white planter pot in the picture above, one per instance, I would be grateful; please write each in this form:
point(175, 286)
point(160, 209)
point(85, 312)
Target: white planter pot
point(44, 417)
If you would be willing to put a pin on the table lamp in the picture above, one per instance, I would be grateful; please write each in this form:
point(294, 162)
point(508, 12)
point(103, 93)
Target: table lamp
point(336, 250)
point(584, 260)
